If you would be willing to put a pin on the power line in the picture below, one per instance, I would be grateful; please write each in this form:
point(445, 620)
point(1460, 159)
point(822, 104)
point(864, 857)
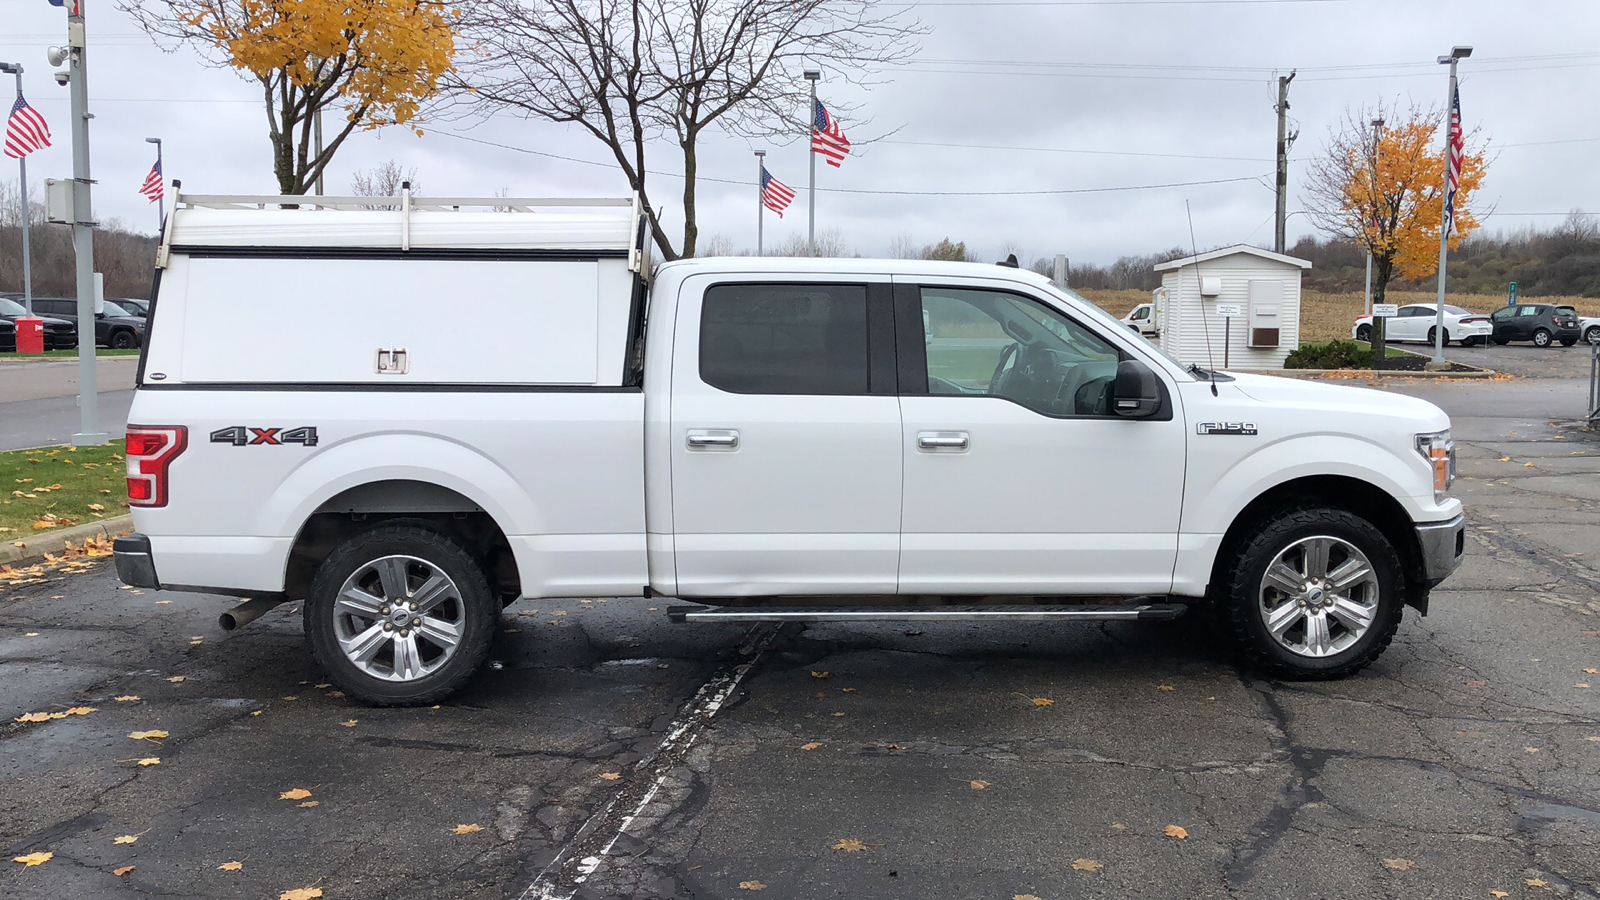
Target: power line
point(1073, 150)
point(922, 3)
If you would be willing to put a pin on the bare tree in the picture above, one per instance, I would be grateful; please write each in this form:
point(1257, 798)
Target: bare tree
point(384, 180)
point(904, 246)
point(830, 244)
point(630, 72)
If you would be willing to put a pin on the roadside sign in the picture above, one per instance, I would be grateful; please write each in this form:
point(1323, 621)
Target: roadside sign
point(1385, 310)
point(1229, 310)
point(1513, 292)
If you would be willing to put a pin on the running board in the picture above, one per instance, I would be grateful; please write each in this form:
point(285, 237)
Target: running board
point(1141, 611)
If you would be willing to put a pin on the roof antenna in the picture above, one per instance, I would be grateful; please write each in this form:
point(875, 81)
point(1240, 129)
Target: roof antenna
point(1205, 323)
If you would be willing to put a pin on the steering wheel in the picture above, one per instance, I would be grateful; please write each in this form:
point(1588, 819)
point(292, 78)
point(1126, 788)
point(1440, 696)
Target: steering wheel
point(1006, 356)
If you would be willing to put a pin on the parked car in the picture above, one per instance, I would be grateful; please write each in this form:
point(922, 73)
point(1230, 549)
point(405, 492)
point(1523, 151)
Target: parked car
point(1142, 319)
point(1417, 322)
point(134, 305)
point(1541, 323)
point(59, 334)
point(1588, 326)
point(779, 440)
point(113, 327)
point(8, 336)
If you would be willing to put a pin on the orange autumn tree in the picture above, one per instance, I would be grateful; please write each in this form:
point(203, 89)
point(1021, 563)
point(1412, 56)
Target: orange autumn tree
point(373, 61)
point(1380, 189)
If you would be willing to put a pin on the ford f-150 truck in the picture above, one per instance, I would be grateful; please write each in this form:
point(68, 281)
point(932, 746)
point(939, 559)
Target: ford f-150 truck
point(465, 402)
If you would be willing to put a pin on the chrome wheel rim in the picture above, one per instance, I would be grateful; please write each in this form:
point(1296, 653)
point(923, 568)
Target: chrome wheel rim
point(399, 618)
point(1318, 597)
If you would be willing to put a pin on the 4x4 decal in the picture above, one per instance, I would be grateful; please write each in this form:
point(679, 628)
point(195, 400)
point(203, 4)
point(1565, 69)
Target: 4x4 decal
point(241, 435)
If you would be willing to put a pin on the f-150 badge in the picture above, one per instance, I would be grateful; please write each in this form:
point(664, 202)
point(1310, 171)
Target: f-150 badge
point(1225, 428)
point(240, 436)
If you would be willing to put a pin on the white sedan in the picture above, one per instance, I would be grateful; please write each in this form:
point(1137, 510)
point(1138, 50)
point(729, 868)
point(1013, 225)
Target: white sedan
point(1416, 322)
point(1589, 326)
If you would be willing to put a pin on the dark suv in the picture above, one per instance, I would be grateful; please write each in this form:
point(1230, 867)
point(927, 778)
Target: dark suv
point(59, 334)
point(113, 327)
point(1537, 322)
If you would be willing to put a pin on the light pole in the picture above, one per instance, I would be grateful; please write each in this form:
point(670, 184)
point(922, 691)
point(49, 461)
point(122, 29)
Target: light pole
point(1377, 142)
point(1456, 55)
point(77, 77)
point(161, 198)
point(761, 200)
point(811, 117)
point(22, 163)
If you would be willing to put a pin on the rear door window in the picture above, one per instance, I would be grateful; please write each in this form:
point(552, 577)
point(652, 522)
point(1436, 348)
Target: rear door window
point(785, 338)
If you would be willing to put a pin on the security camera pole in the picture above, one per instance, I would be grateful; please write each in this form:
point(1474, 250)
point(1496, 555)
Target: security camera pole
point(22, 162)
point(811, 125)
point(1446, 196)
point(89, 432)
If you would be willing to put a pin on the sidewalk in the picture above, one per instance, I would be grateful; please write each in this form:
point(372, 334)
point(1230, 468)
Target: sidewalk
point(22, 378)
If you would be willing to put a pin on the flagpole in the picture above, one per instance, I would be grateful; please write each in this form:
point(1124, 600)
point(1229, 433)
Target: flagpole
point(811, 225)
point(1445, 218)
point(761, 206)
point(22, 165)
point(161, 199)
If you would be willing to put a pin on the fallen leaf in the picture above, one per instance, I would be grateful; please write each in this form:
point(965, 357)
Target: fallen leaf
point(1531, 749)
point(176, 679)
point(97, 507)
point(233, 866)
point(146, 735)
point(1177, 831)
point(150, 761)
point(33, 859)
point(349, 723)
point(610, 776)
point(294, 794)
point(1535, 882)
point(894, 747)
point(1592, 671)
point(816, 674)
point(558, 612)
point(122, 871)
point(1165, 687)
point(33, 717)
point(79, 711)
point(850, 845)
point(1042, 701)
point(1023, 897)
point(322, 687)
point(126, 698)
point(847, 690)
point(310, 803)
point(1398, 863)
point(814, 745)
point(301, 894)
point(1527, 465)
point(255, 712)
point(1087, 865)
point(1499, 893)
point(1118, 826)
point(126, 839)
point(1476, 683)
point(468, 829)
point(31, 634)
point(1593, 737)
point(751, 886)
point(978, 784)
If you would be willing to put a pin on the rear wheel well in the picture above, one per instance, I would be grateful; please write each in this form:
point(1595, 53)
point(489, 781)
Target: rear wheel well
point(1338, 492)
point(362, 508)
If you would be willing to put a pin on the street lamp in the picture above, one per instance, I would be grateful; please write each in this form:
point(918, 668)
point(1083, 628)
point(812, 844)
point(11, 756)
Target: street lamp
point(1457, 54)
point(812, 75)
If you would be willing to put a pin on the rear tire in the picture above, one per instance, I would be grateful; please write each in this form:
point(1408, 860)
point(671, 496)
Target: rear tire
point(1501, 342)
point(1364, 333)
point(1541, 338)
point(1592, 334)
point(1312, 593)
point(1568, 342)
point(401, 615)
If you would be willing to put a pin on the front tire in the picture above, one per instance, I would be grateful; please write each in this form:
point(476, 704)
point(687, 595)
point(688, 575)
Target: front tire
point(1541, 338)
point(1313, 593)
point(401, 615)
point(1592, 334)
point(1364, 333)
point(124, 340)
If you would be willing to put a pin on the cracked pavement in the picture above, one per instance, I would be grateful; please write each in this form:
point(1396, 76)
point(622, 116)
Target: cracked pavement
point(1465, 761)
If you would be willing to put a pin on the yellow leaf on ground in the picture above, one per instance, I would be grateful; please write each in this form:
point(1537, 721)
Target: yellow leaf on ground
point(97, 507)
point(34, 859)
point(1398, 863)
point(1177, 831)
point(1023, 897)
point(310, 803)
point(1535, 882)
point(146, 735)
point(1531, 749)
point(176, 679)
point(150, 761)
point(1118, 826)
point(610, 776)
point(751, 886)
point(978, 784)
point(33, 717)
point(122, 871)
point(1087, 865)
point(474, 828)
point(301, 894)
point(349, 723)
point(1042, 701)
point(294, 794)
point(126, 839)
point(816, 674)
point(811, 746)
point(1592, 671)
point(850, 845)
point(79, 711)
point(231, 866)
point(1499, 893)
point(1165, 687)
point(126, 698)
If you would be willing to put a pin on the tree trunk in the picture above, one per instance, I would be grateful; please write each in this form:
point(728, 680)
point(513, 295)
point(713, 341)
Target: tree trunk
point(691, 227)
point(1382, 271)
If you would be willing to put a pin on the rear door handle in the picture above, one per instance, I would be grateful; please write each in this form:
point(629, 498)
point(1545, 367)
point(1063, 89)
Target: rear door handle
point(948, 441)
point(713, 439)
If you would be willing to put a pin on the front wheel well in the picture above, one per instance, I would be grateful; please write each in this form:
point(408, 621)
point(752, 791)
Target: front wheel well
point(1338, 492)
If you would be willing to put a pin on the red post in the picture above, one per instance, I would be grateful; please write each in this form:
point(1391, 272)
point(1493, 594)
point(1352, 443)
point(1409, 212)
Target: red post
point(30, 334)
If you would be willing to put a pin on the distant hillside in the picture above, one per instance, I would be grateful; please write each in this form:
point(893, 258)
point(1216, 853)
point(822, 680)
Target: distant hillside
point(126, 258)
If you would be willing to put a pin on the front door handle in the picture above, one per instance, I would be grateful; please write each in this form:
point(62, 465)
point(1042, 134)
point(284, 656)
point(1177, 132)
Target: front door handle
point(713, 439)
point(947, 441)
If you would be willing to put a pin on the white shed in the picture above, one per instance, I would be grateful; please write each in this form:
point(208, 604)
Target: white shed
point(1262, 287)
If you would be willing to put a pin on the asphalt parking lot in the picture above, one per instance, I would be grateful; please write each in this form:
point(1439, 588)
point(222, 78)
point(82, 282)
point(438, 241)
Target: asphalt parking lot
point(607, 753)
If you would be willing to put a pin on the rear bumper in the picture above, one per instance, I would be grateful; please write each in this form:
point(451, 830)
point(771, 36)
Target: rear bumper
point(135, 566)
point(1443, 544)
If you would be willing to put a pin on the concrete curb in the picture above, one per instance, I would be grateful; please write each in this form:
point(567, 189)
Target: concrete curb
point(56, 541)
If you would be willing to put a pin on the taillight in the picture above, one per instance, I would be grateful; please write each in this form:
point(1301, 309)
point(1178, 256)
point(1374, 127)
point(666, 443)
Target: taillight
point(150, 452)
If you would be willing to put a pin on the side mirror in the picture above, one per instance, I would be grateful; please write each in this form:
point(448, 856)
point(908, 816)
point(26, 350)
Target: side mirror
point(1136, 393)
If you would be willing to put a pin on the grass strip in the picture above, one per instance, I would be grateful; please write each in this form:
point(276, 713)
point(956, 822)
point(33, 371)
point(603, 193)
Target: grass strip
point(54, 487)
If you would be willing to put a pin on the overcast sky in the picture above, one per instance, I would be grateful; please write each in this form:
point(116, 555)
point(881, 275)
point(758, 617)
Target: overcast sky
point(1061, 96)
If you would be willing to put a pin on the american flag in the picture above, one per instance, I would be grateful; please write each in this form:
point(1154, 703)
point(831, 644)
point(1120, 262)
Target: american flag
point(827, 137)
point(25, 130)
point(152, 183)
point(775, 195)
point(1455, 144)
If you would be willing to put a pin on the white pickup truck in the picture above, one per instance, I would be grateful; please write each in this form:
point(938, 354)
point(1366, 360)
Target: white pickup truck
point(411, 417)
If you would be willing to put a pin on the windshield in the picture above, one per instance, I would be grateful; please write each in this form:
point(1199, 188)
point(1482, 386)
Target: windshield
point(111, 309)
point(11, 308)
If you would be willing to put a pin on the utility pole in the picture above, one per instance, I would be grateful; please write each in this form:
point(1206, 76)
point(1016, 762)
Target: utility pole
point(811, 117)
point(1284, 141)
point(22, 162)
point(1372, 173)
point(89, 432)
point(761, 200)
point(1446, 196)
